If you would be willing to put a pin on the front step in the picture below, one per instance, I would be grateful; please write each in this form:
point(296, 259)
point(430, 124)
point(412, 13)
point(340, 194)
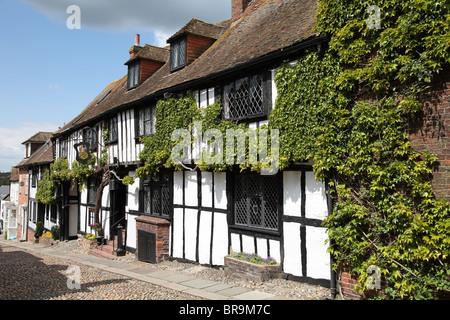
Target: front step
point(106, 251)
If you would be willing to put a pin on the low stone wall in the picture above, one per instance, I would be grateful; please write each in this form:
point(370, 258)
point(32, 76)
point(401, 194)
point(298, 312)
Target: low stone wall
point(251, 271)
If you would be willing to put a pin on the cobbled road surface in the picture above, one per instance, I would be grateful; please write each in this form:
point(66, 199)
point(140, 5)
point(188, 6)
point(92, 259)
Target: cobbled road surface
point(28, 276)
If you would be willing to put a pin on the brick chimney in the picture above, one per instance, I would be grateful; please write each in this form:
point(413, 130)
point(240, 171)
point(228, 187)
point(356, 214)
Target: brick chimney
point(238, 7)
point(137, 46)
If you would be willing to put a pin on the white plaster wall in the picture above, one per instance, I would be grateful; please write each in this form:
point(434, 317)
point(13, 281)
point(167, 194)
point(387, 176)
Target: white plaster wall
point(220, 190)
point(235, 242)
point(178, 187)
point(220, 239)
point(292, 263)
point(133, 193)
point(292, 193)
point(131, 231)
point(248, 244)
point(177, 225)
point(275, 250)
point(191, 191)
point(316, 200)
point(190, 233)
point(204, 237)
point(318, 259)
point(207, 189)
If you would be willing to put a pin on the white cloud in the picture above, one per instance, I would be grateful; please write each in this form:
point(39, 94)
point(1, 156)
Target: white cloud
point(159, 16)
point(11, 149)
point(161, 38)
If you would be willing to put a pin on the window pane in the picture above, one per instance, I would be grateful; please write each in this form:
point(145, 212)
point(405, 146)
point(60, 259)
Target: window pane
point(141, 122)
point(136, 75)
point(153, 120)
point(244, 97)
point(256, 201)
point(147, 121)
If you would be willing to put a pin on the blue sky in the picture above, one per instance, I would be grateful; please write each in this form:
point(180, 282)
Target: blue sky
point(50, 73)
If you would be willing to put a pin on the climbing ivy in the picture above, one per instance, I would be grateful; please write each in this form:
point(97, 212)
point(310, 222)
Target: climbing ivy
point(348, 110)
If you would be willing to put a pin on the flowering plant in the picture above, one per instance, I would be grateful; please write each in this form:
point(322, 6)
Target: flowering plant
point(47, 235)
point(254, 258)
point(90, 236)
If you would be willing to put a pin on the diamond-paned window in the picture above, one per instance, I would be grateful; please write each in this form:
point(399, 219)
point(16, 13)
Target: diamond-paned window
point(178, 54)
point(256, 201)
point(246, 97)
point(157, 196)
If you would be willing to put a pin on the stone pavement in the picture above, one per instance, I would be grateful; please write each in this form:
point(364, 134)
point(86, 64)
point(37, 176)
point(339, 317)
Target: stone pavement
point(201, 288)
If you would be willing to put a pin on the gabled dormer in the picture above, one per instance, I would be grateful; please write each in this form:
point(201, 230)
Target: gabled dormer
point(35, 142)
point(144, 62)
point(191, 41)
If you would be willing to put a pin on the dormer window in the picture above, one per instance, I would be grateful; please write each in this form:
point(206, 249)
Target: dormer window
point(178, 54)
point(133, 75)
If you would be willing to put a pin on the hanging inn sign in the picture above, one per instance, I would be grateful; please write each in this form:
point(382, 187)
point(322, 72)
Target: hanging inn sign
point(83, 152)
point(83, 149)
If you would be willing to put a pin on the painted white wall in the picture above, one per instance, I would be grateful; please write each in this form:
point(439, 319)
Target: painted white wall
point(131, 231)
point(204, 237)
point(190, 233)
point(177, 225)
point(316, 200)
point(220, 190)
point(207, 191)
point(318, 259)
point(220, 239)
point(292, 262)
point(292, 193)
point(133, 193)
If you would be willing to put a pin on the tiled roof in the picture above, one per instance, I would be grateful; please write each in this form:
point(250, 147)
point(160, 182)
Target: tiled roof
point(152, 53)
point(43, 155)
point(200, 28)
point(39, 137)
point(266, 27)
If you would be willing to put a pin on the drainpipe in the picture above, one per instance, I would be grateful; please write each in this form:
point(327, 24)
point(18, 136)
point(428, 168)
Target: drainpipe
point(333, 287)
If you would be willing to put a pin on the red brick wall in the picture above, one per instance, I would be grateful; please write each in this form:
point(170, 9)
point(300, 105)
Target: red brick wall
point(238, 7)
point(196, 45)
point(346, 283)
point(157, 226)
point(148, 68)
point(430, 131)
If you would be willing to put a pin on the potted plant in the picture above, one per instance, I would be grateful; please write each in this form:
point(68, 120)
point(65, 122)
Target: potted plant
point(99, 235)
point(38, 231)
point(251, 266)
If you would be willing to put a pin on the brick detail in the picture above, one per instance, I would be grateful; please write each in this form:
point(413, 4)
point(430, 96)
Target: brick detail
point(196, 45)
point(157, 226)
point(430, 130)
point(237, 8)
point(347, 284)
point(148, 68)
point(242, 269)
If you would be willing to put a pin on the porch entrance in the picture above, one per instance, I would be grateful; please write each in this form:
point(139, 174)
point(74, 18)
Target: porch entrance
point(118, 193)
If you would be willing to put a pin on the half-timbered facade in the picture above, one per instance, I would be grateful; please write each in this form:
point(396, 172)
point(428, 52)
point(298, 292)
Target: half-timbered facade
point(207, 214)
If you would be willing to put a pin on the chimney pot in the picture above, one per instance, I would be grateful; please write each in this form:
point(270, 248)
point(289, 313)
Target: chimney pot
point(137, 40)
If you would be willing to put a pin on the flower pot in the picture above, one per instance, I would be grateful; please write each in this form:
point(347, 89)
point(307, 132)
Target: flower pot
point(257, 272)
point(99, 241)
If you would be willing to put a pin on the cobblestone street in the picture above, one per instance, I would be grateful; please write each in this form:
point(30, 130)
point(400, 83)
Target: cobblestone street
point(38, 272)
point(28, 276)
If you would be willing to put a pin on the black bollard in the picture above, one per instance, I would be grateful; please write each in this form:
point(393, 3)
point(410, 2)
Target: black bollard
point(120, 251)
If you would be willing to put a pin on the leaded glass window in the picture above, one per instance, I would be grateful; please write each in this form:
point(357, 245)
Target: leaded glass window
point(157, 196)
point(146, 121)
point(246, 97)
point(133, 75)
point(256, 201)
point(178, 54)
